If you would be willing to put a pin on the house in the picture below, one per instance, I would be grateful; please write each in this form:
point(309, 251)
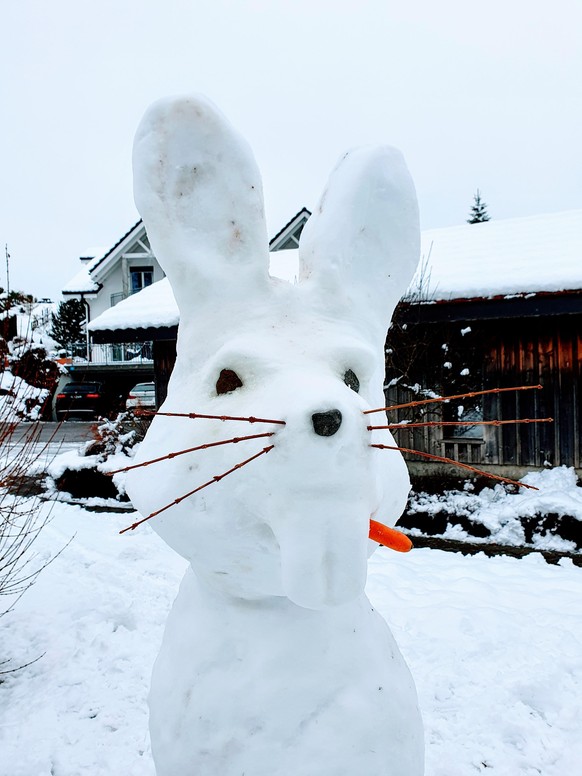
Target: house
point(105, 279)
point(128, 269)
point(125, 269)
point(494, 305)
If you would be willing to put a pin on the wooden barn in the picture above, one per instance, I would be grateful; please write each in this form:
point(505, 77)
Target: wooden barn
point(496, 304)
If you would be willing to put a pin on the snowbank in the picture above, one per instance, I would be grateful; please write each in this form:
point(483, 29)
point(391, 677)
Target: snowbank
point(526, 518)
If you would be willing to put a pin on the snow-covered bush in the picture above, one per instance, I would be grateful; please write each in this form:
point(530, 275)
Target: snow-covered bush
point(549, 518)
point(118, 436)
point(19, 400)
point(86, 473)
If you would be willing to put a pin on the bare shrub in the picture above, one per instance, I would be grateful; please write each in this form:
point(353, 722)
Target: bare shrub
point(21, 516)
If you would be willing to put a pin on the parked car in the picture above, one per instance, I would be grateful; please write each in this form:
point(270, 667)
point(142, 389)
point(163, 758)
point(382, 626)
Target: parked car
point(84, 400)
point(142, 396)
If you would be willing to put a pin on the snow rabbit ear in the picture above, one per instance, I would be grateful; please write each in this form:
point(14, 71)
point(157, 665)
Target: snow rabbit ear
point(199, 192)
point(360, 248)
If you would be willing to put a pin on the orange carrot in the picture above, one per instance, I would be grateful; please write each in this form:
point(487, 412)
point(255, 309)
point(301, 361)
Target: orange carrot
point(389, 537)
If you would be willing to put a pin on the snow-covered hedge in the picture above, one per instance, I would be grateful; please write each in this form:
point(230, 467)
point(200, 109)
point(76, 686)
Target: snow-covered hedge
point(549, 518)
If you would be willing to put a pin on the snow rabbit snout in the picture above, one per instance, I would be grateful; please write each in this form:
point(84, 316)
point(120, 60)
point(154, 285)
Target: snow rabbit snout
point(293, 366)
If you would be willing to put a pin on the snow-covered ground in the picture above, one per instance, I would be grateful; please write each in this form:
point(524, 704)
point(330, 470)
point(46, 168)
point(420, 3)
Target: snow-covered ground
point(495, 646)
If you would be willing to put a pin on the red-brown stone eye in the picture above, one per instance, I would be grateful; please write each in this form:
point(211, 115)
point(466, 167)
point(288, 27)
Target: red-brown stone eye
point(351, 380)
point(227, 382)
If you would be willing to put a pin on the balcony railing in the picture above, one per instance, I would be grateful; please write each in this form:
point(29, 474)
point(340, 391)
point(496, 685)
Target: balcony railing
point(133, 353)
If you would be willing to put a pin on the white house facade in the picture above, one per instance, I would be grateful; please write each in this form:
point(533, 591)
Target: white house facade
point(127, 268)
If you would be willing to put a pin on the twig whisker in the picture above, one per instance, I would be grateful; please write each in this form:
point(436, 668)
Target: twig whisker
point(468, 395)
point(196, 415)
point(169, 456)
point(216, 478)
point(426, 424)
point(455, 463)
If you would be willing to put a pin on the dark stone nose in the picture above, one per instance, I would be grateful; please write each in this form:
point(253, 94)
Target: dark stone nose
point(326, 423)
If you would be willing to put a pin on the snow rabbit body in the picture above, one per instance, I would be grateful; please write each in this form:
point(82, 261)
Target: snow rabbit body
point(273, 661)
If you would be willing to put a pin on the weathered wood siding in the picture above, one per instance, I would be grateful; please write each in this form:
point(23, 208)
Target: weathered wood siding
point(514, 352)
point(164, 360)
point(548, 353)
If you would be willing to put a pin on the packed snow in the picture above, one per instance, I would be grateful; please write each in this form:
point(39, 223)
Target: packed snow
point(494, 644)
point(276, 592)
point(155, 305)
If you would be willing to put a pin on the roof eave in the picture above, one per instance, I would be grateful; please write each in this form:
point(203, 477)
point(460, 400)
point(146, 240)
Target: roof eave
point(523, 305)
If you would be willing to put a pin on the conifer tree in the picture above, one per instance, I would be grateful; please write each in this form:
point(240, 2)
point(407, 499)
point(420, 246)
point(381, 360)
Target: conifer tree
point(68, 325)
point(478, 210)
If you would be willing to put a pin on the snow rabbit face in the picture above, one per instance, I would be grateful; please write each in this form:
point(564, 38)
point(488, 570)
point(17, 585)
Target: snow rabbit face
point(294, 521)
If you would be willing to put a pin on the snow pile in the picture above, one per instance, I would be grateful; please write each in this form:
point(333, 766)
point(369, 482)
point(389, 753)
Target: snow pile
point(549, 518)
point(19, 400)
point(495, 645)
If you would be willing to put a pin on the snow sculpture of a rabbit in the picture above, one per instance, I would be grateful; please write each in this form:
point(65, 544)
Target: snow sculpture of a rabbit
point(273, 661)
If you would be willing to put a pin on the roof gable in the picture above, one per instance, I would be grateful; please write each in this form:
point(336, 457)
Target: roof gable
point(134, 243)
point(288, 236)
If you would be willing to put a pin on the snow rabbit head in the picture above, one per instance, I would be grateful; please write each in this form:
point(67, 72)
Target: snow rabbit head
point(293, 522)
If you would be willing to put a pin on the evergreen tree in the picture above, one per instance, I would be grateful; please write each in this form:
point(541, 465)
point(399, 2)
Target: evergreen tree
point(68, 325)
point(13, 299)
point(478, 210)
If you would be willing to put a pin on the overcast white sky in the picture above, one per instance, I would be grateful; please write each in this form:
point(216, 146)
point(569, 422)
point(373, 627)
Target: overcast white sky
point(481, 95)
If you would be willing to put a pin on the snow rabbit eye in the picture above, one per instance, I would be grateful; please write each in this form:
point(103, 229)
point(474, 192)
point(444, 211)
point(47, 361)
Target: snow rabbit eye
point(351, 380)
point(228, 381)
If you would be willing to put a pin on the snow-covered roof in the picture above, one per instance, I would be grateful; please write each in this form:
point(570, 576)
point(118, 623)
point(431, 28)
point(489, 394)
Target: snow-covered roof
point(291, 229)
point(154, 306)
point(132, 234)
point(86, 279)
point(82, 282)
point(500, 258)
point(490, 259)
point(93, 252)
